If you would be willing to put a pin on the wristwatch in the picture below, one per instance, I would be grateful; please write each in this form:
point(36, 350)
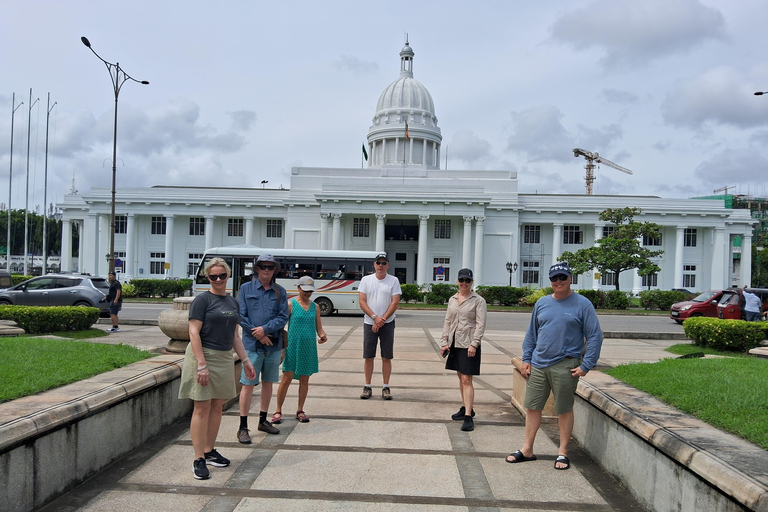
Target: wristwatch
point(373, 317)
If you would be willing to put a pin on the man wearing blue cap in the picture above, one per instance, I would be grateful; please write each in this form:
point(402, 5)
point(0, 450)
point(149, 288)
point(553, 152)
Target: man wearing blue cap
point(555, 355)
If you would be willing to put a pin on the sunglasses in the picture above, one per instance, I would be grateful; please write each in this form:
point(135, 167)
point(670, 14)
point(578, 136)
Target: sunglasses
point(382, 262)
point(266, 267)
point(218, 277)
point(559, 277)
point(465, 280)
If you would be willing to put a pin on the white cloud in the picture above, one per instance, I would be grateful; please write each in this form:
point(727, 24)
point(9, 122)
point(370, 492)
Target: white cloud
point(352, 63)
point(631, 32)
point(538, 133)
point(619, 97)
point(741, 166)
point(465, 145)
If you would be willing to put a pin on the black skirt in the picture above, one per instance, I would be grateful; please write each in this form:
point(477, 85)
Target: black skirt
point(459, 360)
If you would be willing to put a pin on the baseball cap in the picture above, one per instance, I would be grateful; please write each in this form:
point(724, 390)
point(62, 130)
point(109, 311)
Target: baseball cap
point(307, 284)
point(465, 273)
point(560, 268)
point(381, 256)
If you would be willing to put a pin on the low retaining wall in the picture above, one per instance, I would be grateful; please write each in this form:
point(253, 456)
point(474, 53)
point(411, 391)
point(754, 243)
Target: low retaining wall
point(54, 440)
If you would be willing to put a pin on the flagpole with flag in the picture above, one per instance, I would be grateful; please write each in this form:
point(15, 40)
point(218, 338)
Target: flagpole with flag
point(365, 154)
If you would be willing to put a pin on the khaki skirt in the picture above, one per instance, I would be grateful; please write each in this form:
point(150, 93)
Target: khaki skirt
point(221, 369)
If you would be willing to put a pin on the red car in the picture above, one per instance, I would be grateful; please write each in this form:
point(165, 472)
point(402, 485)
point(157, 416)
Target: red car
point(731, 304)
point(701, 305)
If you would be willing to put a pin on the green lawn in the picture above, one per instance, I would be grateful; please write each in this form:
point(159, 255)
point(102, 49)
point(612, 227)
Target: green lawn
point(29, 365)
point(728, 393)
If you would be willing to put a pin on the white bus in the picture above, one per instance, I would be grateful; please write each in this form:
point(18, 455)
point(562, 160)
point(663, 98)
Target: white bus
point(337, 274)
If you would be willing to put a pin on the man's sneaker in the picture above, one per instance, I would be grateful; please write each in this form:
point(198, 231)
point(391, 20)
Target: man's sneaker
point(468, 424)
point(214, 458)
point(385, 394)
point(200, 470)
point(367, 392)
point(458, 416)
point(265, 426)
point(243, 436)
point(113, 329)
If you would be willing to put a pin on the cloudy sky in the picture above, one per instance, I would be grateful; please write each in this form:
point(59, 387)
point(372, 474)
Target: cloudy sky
point(241, 91)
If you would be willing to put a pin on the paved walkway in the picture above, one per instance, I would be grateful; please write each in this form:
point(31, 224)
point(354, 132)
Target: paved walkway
point(399, 455)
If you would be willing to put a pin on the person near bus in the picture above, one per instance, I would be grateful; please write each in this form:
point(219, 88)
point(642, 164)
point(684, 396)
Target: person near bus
point(463, 330)
point(206, 374)
point(752, 305)
point(263, 314)
point(301, 361)
point(379, 297)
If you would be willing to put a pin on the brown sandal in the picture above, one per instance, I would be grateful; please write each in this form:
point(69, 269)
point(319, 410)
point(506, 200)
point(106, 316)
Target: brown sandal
point(303, 418)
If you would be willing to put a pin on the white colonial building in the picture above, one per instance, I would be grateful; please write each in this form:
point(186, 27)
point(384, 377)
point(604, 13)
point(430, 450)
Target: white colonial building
point(431, 222)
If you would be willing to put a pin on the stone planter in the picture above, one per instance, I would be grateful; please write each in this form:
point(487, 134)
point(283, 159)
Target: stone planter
point(175, 324)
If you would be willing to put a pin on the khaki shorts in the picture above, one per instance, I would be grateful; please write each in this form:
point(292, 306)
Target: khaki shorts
point(557, 379)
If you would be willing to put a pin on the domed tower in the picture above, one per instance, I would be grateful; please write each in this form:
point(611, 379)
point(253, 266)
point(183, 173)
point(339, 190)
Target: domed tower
point(404, 130)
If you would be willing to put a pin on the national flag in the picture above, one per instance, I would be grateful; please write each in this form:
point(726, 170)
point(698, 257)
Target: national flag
point(407, 137)
point(365, 153)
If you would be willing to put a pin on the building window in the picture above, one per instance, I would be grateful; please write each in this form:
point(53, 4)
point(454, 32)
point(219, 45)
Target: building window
point(651, 241)
point(157, 262)
point(572, 235)
point(197, 226)
point(531, 271)
point(121, 224)
point(608, 230)
point(689, 275)
point(274, 228)
point(234, 227)
point(441, 270)
point(361, 227)
point(119, 255)
point(531, 234)
point(401, 256)
point(574, 278)
point(689, 237)
point(650, 280)
point(194, 263)
point(442, 228)
point(158, 225)
point(608, 279)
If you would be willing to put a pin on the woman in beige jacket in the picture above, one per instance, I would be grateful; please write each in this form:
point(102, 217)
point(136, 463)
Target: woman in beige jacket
point(463, 329)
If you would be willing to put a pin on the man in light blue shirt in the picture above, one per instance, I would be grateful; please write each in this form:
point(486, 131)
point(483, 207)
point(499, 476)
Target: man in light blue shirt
point(752, 306)
point(555, 355)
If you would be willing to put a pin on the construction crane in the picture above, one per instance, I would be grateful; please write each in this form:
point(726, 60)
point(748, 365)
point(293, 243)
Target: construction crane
point(724, 189)
point(590, 167)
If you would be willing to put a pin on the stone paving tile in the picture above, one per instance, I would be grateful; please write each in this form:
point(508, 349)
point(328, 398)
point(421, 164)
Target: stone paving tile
point(133, 501)
point(288, 505)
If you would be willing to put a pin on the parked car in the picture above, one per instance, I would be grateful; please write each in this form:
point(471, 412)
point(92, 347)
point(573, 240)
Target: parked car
point(59, 290)
point(731, 305)
point(701, 305)
point(6, 281)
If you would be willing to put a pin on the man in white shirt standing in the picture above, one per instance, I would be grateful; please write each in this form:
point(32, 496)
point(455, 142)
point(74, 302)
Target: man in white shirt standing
point(379, 298)
point(752, 306)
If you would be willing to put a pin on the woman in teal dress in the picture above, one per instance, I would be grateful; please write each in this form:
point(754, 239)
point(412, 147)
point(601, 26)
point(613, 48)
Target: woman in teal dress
point(301, 361)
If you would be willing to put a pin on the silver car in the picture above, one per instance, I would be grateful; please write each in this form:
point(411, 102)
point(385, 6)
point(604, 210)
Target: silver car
point(59, 290)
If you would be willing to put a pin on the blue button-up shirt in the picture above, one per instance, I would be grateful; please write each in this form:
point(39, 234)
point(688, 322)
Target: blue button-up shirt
point(260, 307)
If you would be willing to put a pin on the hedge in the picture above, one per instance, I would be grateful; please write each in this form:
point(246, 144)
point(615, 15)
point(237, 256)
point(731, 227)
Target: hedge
point(161, 287)
point(411, 292)
point(502, 295)
point(41, 319)
point(440, 293)
point(733, 335)
point(661, 299)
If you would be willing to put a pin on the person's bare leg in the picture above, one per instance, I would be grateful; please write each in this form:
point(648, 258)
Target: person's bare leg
point(303, 390)
point(368, 370)
point(467, 393)
point(214, 422)
point(532, 424)
point(246, 395)
point(198, 426)
point(565, 424)
point(282, 390)
point(114, 320)
point(386, 370)
point(266, 396)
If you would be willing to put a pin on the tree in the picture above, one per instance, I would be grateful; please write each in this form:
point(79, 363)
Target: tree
point(35, 235)
point(619, 250)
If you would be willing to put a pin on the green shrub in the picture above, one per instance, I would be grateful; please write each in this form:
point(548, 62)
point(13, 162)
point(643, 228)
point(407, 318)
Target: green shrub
point(440, 293)
point(598, 298)
point(160, 287)
point(661, 299)
point(617, 300)
point(503, 295)
point(533, 296)
point(128, 290)
point(39, 319)
point(731, 335)
point(411, 292)
point(19, 279)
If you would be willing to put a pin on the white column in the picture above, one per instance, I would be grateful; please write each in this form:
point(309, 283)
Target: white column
point(249, 230)
point(101, 260)
point(169, 244)
point(81, 246)
point(66, 246)
point(679, 240)
point(130, 264)
point(380, 218)
point(466, 249)
point(324, 230)
point(557, 240)
point(598, 236)
point(208, 231)
point(90, 237)
point(717, 274)
point(423, 260)
point(336, 237)
point(746, 260)
point(637, 282)
point(479, 240)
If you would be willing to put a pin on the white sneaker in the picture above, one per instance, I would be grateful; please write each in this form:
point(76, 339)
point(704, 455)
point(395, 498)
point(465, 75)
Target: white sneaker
point(113, 329)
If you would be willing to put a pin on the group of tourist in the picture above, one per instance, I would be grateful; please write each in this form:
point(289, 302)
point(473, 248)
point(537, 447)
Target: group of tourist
point(555, 353)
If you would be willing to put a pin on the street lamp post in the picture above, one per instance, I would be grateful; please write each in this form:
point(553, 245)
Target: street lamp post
point(760, 93)
point(119, 77)
point(14, 108)
point(511, 268)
